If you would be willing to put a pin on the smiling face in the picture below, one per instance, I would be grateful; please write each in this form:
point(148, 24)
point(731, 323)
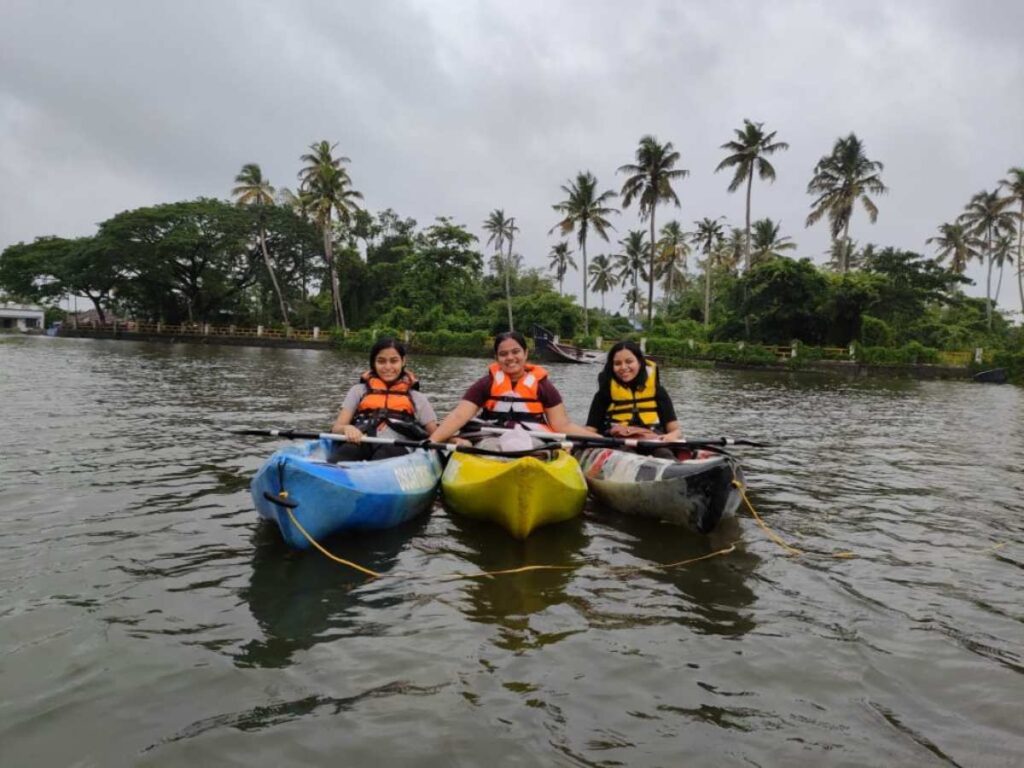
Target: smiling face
point(388, 364)
point(625, 366)
point(512, 358)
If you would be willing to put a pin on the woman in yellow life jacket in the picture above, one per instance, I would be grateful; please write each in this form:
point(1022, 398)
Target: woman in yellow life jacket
point(513, 392)
point(630, 401)
point(386, 402)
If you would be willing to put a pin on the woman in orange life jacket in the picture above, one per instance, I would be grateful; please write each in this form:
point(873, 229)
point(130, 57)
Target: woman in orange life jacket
point(386, 402)
point(513, 392)
point(631, 403)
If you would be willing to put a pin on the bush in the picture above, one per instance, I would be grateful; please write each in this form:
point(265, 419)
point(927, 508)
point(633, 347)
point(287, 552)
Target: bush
point(875, 332)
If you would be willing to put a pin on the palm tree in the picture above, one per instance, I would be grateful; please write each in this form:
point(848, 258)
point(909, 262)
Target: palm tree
point(956, 243)
point(631, 265)
point(325, 189)
point(503, 230)
point(766, 241)
point(1015, 186)
point(582, 209)
point(650, 182)
point(253, 190)
point(840, 180)
point(561, 259)
point(748, 150)
point(672, 252)
point(602, 276)
point(707, 235)
point(1002, 252)
point(986, 215)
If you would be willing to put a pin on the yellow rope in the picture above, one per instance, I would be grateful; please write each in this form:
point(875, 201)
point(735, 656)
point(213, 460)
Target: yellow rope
point(772, 535)
point(335, 558)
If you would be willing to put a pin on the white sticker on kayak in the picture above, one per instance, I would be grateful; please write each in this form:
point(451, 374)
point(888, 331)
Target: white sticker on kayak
point(415, 478)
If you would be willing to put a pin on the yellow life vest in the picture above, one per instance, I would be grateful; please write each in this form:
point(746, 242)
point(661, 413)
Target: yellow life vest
point(635, 407)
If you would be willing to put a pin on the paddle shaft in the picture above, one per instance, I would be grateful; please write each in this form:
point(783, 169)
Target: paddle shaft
point(632, 442)
point(292, 434)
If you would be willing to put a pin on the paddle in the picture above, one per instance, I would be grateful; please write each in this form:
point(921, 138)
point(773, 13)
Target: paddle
point(711, 443)
point(291, 434)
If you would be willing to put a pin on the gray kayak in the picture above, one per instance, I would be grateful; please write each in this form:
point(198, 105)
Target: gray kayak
point(695, 492)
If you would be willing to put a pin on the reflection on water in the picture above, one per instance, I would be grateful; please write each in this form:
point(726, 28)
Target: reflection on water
point(509, 600)
point(299, 601)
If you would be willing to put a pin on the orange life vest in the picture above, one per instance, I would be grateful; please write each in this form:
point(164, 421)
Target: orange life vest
point(520, 403)
point(384, 403)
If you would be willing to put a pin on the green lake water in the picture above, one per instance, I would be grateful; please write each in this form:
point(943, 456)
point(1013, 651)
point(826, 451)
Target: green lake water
point(148, 618)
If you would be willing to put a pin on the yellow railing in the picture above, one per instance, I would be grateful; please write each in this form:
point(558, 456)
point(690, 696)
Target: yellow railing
point(206, 329)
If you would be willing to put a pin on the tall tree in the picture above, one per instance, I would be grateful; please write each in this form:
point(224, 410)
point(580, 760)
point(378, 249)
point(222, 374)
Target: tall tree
point(256, 192)
point(1014, 184)
point(986, 216)
point(325, 189)
point(767, 242)
point(630, 262)
point(582, 209)
point(673, 249)
point(503, 230)
point(840, 180)
point(958, 244)
point(602, 276)
point(650, 182)
point(561, 259)
point(707, 236)
point(748, 152)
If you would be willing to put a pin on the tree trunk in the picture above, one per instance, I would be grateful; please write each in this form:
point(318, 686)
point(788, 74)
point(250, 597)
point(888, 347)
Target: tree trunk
point(988, 280)
point(746, 244)
point(707, 288)
point(1020, 255)
point(508, 283)
point(846, 247)
point(339, 314)
point(273, 277)
point(586, 311)
point(650, 276)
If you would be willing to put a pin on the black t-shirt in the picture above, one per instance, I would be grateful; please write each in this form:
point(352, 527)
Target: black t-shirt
point(598, 416)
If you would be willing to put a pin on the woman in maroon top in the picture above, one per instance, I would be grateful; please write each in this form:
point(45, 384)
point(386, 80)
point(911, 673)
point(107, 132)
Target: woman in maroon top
point(512, 392)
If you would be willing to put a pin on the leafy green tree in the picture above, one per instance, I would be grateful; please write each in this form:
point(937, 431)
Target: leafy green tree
point(911, 284)
point(256, 192)
point(767, 242)
point(602, 276)
point(748, 154)
point(987, 216)
point(630, 263)
point(503, 230)
point(840, 180)
point(582, 209)
point(650, 182)
point(958, 244)
point(708, 235)
point(190, 259)
point(850, 296)
point(673, 250)
point(546, 309)
point(325, 188)
point(1014, 185)
point(784, 300)
point(561, 259)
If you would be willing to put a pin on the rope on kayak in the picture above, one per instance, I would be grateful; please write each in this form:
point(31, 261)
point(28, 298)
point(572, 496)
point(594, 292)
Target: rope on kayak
point(323, 551)
point(790, 549)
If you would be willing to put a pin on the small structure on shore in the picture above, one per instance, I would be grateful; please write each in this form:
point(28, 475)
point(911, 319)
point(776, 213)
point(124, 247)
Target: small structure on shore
point(21, 317)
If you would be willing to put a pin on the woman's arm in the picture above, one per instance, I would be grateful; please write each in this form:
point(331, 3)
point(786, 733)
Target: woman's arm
point(343, 426)
point(454, 421)
point(559, 421)
point(674, 432)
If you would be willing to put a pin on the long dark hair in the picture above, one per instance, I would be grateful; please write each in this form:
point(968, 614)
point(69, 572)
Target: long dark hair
point(386, 342)
point(514, 335)
point(608, 374)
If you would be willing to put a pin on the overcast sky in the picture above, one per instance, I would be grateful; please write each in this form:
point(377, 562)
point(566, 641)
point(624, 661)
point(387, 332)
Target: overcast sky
point(457, 108)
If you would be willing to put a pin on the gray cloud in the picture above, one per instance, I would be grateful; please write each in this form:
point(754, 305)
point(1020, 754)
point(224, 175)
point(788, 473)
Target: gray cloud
point(458, 108)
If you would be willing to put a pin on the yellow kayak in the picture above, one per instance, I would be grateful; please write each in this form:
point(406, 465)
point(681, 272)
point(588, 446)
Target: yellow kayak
point(517, 494)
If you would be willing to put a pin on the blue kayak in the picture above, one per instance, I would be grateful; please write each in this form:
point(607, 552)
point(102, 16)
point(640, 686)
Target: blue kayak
point(354, 495)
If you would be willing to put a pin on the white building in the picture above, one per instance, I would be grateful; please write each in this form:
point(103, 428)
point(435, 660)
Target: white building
point(21, 317)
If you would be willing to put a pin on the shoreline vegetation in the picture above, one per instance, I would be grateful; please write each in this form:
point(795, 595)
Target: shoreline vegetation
point(911, 360)
point(706, 292)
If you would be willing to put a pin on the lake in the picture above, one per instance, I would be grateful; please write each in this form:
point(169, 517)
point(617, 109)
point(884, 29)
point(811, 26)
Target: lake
point(147, 618)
